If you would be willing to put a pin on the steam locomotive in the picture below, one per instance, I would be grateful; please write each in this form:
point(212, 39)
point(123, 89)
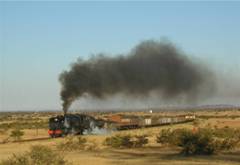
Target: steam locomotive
point(75, 124)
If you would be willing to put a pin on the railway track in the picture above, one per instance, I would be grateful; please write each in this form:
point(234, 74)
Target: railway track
point(31, 140)
point(27, 140)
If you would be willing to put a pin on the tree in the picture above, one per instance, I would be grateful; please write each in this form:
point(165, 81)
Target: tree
point(16, 134)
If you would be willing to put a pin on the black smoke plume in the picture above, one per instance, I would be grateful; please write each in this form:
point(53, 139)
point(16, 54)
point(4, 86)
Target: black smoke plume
point(152, 66)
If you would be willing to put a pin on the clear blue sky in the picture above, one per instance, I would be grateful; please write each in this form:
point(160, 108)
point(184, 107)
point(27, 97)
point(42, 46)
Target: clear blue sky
point(38, 40)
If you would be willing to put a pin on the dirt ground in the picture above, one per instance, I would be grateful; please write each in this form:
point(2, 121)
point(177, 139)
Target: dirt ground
point(151, 154)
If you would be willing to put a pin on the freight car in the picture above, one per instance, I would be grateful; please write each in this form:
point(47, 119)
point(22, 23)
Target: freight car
point(121, 122)
point(75, 124)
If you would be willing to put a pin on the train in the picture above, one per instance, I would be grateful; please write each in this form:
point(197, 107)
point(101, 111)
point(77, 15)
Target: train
point(78, 124)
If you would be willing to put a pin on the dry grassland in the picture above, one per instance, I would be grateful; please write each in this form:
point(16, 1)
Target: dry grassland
point(152, 153)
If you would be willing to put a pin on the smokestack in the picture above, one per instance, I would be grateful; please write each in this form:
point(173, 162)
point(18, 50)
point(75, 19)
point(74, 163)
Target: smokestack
point(152, 66)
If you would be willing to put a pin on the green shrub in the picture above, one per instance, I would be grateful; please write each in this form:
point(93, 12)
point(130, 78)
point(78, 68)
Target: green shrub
point(140, 141)
point(42, 155)
point(203, 141)
point(126, 141)
point(16, 134)
point(72, 143)
point(38, 155)
point(169, 137)
point(119, 141)
point(165, 136)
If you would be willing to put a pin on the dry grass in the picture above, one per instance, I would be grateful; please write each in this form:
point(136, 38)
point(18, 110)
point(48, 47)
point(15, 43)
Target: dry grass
point(151, 154)
point(106, 156)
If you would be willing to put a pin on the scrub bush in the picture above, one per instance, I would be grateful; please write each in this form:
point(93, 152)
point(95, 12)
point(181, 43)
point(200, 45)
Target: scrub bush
point(204, 141)
point(126, 141)
point(119, 141)
point(72, 143)
point(38, 155)
point(16, 134)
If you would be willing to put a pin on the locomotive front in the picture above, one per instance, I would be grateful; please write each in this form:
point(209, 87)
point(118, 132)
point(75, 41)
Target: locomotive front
point(56, 126)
